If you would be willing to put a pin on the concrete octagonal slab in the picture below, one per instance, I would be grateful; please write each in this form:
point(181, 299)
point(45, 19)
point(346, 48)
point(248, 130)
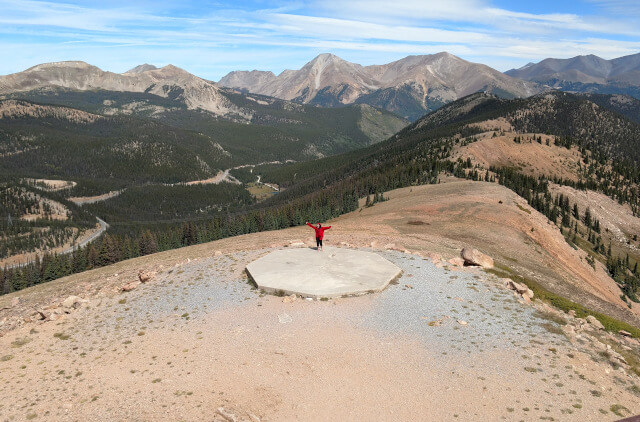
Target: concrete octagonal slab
point(333, 272)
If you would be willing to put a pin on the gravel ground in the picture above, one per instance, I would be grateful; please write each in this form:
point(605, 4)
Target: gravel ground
point(439, 344)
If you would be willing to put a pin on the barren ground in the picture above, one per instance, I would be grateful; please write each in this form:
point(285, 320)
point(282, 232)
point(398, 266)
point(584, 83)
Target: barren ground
point(529, 156)
point(445, 343)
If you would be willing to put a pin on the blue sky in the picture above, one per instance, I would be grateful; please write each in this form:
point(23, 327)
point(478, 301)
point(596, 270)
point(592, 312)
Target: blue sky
point(211, 38)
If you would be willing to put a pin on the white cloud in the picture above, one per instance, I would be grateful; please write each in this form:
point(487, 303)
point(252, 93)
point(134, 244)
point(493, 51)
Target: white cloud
point(371, 30)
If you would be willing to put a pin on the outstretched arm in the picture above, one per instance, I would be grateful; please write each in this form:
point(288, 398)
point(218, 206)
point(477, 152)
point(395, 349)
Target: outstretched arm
point(327, 227)
point(310, 225)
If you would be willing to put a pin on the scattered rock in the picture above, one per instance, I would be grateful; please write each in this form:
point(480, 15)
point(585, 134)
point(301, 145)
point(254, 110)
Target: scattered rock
point(145, 276)
point(217, 253)
point(375, 244)
point(594, 321)
point(461, 322)
point(408, 286)
point(457, 261)
point(15, 302)
point(73, 302)
point(600, 346)
point(227, 415)
point(39, 315)
point(519, 288)
point(572, 313)
point(130, 286)
point(289, 299)
point(436, 322)
point(625, 333)
point(477, 258)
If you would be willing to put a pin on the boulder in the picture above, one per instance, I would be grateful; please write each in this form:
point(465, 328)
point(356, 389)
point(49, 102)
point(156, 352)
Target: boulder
point(289, 299)
point(15, 302)
point(218, 253)
point(594, 321)
point(521, 289)
point(145, 276)
point(477, 258)
point(130, 286)
point(73, 302)
point(528, 295)
point(572, 313)
point(625, 333)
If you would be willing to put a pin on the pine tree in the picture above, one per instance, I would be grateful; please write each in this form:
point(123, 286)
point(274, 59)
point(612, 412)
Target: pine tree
point(587, 217)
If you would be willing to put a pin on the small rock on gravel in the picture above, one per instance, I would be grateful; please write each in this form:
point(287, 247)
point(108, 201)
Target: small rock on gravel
point(130, 286)
point(289, 299)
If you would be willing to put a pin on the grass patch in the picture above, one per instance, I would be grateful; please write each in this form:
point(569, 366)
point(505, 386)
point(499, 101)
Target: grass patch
point(6, 358)
point(528, 211)
point(19, 342)
point(619, 410)
point(563, 304)
point(62, 336)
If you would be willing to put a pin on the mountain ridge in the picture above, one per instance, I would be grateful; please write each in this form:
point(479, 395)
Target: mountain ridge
point(410, 87)
point(586, 74)
point(168, 82)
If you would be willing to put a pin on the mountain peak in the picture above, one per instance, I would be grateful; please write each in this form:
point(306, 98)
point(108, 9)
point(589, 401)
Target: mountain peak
point(141, 68)
point(325, 59)
point(72, 64)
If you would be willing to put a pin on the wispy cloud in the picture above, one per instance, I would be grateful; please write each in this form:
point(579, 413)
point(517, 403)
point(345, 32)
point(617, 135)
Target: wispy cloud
point(215, 40)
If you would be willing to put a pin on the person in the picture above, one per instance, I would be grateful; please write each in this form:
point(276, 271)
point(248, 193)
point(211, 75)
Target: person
point(319, 234)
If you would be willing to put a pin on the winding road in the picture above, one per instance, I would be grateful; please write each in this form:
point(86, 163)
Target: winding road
point(103, 228)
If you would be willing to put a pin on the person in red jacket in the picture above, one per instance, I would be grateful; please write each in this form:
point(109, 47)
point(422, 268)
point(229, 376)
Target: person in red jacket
point(319, 234)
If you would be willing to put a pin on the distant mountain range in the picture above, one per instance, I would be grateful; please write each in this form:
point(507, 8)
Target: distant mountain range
point(168, 82)
point(590, 73)
point(410, 87)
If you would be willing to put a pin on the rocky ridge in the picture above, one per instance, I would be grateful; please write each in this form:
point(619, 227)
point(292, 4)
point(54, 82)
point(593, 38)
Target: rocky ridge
point(409, 87)
point(168, 82)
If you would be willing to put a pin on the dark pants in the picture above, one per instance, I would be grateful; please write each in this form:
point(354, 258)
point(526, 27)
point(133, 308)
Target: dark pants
point(318, 242)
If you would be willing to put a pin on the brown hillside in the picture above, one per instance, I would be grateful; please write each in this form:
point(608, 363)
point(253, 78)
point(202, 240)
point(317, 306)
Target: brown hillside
point(529, 156)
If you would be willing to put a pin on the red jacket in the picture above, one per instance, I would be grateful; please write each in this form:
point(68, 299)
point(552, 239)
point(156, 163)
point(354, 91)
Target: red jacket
point(319, 231)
